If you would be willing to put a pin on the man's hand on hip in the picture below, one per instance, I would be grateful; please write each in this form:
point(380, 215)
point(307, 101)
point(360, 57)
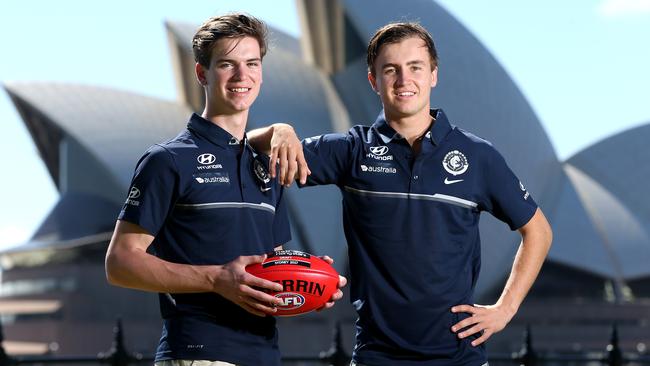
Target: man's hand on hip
point(488, 319)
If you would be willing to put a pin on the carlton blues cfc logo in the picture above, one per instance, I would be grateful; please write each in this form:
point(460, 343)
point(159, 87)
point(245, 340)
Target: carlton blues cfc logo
point(455, 163)
point(261, 172)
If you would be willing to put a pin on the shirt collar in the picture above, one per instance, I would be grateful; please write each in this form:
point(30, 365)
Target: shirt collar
point(437, 132)
point(212, 132)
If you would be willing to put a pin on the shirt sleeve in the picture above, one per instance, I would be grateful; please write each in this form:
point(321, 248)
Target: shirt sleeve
point(281, 226)
point(153, 190)
point(507, 198)
point(328, 157)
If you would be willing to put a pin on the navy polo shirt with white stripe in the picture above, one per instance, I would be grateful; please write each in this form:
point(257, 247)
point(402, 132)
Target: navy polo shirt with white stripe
point(411, 223)
point(199, 195)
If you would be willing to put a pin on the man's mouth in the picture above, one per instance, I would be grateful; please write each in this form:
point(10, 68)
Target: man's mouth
point(238, 90)
point(406, 94)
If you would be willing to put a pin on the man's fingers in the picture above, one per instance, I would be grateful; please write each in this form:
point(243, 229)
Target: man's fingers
point(251, 309)
point(293, 167)
point(335, 297)
point(292, 173)
point(272, 162)
point(253, 281)
point(287, 150)
point(464, 324)
point(464, 309)
point(482, 338)
point(338, 295)
point(327, 305)
point(261, 306)
point(303, 169)
point(342, 280)
point(252, 259)
point(473, 330)
point(284, 163)
point(259, 296)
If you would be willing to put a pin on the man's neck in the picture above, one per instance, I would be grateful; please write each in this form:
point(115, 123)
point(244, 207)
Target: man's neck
point(234, 124)
point(412, 128)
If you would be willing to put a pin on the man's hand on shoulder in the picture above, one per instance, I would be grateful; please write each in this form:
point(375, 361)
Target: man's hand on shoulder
point(235, 284)
point(286, 150)
point(488, 319)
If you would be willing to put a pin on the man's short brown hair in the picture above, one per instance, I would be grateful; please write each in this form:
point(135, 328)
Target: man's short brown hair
point(396, 32)
point(233, 25)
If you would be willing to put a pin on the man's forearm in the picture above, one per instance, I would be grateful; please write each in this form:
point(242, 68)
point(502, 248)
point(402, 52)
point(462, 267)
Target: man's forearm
point(260, 139)
point(490, 319)
point(129, 265)
point(137, 269)
point(536, 242)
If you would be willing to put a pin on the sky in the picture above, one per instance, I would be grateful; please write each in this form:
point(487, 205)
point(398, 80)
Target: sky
point(582, 65)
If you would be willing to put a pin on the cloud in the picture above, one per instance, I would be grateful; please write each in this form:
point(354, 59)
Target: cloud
point(620, 8)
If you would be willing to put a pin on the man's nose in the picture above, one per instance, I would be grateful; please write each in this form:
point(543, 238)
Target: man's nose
point(239, 72)
point(402, 76)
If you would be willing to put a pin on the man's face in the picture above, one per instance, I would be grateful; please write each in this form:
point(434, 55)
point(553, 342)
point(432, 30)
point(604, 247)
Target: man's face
point(403, 78)
point(234, 77)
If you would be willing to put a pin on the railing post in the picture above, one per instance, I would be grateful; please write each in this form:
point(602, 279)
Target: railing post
point(527, 355)
point(614, 354)
point(5, 360)
point(336, 355)
point(117, 355)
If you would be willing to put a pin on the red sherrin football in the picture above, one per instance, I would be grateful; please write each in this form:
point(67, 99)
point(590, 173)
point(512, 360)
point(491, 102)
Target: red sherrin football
point(308, 281)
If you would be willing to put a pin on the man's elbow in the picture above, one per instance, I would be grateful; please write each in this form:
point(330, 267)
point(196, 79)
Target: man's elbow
point(549, 235)
point(538, 230)
point(109, 268)
point(545, 233)
point(112, 267)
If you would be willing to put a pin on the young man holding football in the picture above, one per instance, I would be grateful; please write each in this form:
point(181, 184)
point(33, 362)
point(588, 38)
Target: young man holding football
point(204, 206)
point(413, 188)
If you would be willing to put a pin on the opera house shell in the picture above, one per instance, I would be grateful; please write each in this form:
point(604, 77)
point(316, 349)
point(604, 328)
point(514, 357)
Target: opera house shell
point(90, 139)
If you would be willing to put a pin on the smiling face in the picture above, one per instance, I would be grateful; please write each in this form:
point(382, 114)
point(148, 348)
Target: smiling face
point(403, 76)
point(233, 79)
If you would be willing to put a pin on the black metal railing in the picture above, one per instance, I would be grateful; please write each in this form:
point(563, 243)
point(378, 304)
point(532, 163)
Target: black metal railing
point(117, 355)
point(336, 355)
point(613, 355)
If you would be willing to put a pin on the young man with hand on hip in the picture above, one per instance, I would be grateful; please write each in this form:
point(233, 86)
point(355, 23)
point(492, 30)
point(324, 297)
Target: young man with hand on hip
point(413, 187)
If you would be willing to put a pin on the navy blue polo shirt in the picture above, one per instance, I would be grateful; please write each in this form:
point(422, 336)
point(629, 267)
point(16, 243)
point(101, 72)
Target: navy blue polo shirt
point(411, 223)
point(201, 198)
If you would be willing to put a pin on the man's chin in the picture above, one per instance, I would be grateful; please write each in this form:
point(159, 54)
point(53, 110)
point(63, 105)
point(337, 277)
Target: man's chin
point(403, 112)
point(240, 107)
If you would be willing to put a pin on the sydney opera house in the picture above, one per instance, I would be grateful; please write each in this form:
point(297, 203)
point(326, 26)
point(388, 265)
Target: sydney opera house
point(597, 273)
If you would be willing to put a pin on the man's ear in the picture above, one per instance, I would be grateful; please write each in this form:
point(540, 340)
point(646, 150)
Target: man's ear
point(199, 71)
point(434, 77)
point(373, 82)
